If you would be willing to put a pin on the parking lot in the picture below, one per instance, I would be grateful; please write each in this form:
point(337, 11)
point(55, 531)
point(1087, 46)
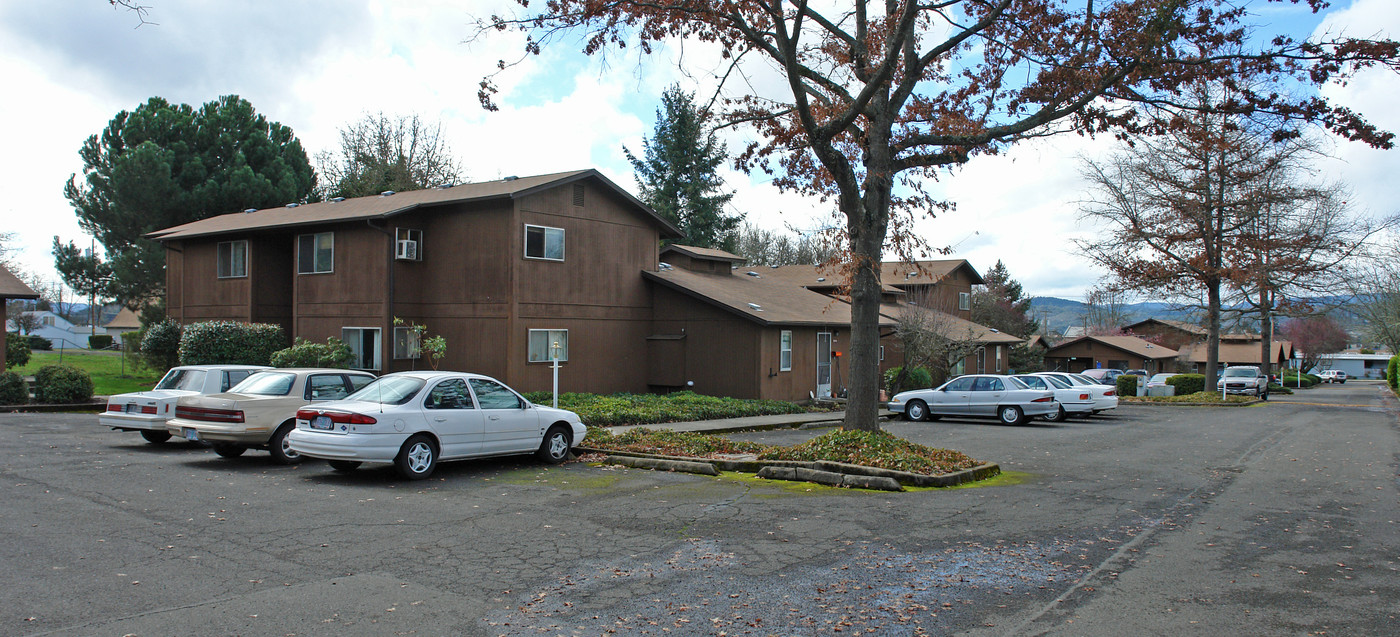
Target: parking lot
point(1277, 518)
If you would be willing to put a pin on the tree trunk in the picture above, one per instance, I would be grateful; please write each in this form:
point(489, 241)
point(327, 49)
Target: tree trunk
point(1266, 332)
point(1213, 337)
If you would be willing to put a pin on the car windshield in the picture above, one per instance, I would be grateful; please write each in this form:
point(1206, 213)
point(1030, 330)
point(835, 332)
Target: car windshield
point(1245, 372)
point(390, 390)
point(1057, 382)
point(1161, 377)
point(266, 384)
point(188, 379)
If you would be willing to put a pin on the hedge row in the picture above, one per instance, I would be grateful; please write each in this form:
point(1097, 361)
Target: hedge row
point(230, 343)
point(53, 384)
point(649, 409)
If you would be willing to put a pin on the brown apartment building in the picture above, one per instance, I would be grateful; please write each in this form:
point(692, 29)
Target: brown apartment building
point(514, 271)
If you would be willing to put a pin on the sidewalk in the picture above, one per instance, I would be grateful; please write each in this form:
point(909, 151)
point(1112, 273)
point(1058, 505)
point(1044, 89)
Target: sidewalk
point(750, 423)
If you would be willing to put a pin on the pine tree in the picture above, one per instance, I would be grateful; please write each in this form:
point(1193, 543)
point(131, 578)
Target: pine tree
point(1000, 303)
point(678, 176)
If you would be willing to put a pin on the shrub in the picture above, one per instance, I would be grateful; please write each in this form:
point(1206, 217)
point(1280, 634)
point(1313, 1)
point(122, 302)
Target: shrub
point(303, 353)
point(230, 343)
point(1127, 385)
point(1188, 383)
point(646, 409)
point(160, 344)
point(13, 389)
point(100, 341)
point(40, 343)
point(1291, 380)
point(16, 350)
point(62, 384)
point(918, 378)
point(1392, 373)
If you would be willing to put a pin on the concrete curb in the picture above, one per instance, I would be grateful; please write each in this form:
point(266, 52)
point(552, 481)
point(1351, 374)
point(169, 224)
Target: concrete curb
point(821, 472)
point(1167, 404)
point(36, 408)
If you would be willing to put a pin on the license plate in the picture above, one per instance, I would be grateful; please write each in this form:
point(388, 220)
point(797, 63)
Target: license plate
point(131, 408)
point(190, 434)
point(321, 422)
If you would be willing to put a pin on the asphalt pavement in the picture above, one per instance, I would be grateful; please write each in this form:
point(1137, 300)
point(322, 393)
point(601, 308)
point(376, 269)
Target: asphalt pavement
point(1274, 519)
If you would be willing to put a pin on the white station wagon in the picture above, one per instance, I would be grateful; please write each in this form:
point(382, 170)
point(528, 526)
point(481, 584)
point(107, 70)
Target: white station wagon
point(147, 411)
point(413, 419)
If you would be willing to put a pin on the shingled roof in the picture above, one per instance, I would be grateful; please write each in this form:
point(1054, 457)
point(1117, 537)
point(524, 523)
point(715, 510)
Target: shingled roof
point(381, 206)
point(762, 299)
point(1130, 344)
point(13, 288)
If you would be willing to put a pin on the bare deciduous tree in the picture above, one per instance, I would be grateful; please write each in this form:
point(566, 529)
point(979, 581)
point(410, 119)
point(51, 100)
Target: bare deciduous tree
point(379, 153)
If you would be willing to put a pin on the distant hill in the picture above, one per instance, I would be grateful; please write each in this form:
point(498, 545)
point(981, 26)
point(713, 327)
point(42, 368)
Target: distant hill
point(1059, 313)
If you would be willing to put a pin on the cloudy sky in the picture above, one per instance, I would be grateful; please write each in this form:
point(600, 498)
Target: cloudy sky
point(316, 65)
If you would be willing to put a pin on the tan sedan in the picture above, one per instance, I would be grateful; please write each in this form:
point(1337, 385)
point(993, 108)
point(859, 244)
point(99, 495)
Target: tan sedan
point(261, 410)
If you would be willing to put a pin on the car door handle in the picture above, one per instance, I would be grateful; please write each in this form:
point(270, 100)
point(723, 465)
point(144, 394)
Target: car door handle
point(440, 419)
point(494, 417)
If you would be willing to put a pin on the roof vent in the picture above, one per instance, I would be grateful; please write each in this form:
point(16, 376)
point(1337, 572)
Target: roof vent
point(773, 266)
point(250, 210)
point(665, 265)
point(387, 193)
point(995, 330)
point(755, 307)
point(445, 186)
point(292, 205)
point(337, 199)
point(511, 178)
point(821, 279)
point(753, 274)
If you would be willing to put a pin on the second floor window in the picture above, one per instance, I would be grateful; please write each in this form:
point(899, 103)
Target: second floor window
point(233, 259)
point(964, 301)
point(315, 253)
point(542, 242)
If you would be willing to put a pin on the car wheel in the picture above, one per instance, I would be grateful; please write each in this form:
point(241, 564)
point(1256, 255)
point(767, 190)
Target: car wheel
point(281, 448)
point(916, 410)
point(1058, 416)
point(554, 449)
point(155, 437)
point(417, 458)
point(228, 451)
point(1011, 415)
point(344, 466)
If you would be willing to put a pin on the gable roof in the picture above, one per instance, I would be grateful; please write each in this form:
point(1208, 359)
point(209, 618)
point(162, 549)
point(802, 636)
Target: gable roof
point(704, 253)
point(779, 302)
point(1190, 328)
point(382, 206)
point(1237, 352)
point(953, 327)
point(125, 319)
point(1130, 344)
point(813, 277)
point(926, 272)
point(13, 288)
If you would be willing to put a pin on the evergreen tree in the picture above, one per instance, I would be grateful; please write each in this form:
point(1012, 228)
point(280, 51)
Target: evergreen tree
point(165, 164)
point(1001, 303)
point(678, 175)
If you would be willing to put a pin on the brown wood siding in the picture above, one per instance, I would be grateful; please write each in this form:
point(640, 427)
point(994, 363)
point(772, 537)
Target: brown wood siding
point(722, 350)
point(175, 281)
point(1085, 355)
point(352, 294)
point(270, 271)
point(206, 297)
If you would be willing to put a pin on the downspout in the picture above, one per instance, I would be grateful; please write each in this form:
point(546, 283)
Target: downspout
point(386, 344)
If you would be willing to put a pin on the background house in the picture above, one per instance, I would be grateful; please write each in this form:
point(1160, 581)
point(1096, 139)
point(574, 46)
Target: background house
point(1109, 352)
point(12, 288)
point(125, 321)
point(60, 331)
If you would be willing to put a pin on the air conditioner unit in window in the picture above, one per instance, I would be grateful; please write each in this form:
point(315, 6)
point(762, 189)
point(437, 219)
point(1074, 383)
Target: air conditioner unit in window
point(408, 249)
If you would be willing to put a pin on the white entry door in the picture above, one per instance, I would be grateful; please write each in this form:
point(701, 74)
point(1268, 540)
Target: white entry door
point(823, 364)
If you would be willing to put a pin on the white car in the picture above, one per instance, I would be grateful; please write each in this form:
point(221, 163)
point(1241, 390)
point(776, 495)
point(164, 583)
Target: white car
point(1073, 399)
point(148, 411)
point(415, 419)
point(1332, 376)
point(260, 411)
point(1105, 396)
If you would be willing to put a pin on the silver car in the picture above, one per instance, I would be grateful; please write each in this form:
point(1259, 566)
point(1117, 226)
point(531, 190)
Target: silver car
point(1105, 396)
point(978, 395)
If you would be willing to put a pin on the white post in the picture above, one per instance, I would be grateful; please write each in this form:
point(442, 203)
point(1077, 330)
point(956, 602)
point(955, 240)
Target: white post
point(554, 356)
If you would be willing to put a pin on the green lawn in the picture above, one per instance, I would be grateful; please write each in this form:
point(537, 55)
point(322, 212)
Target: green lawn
point(105, 368)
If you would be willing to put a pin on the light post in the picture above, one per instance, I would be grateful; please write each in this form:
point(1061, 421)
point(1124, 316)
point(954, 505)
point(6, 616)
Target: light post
point(554, 358)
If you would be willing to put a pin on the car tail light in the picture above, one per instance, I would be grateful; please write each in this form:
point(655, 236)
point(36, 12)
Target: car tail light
point(342, 417)
point(1045, 399)
point(114, 407)
point(1109, 392)
point(1084, 397)
point(148, 409)
point(209, 415)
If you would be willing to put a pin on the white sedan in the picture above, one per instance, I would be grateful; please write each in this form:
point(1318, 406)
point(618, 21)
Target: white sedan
point(1105, 396)
point(147, 411)
point(415, 419)
point(1073, 399)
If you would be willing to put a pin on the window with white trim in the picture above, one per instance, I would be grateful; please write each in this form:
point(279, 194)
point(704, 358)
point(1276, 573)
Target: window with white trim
point(998, 369)
point(364, 346)
point(316, 253)
point(408, 343)
point(408, 244)
point(964, 301)
point(785, 351)
point(233, 259)
point(543, 242)
point(545, 344)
